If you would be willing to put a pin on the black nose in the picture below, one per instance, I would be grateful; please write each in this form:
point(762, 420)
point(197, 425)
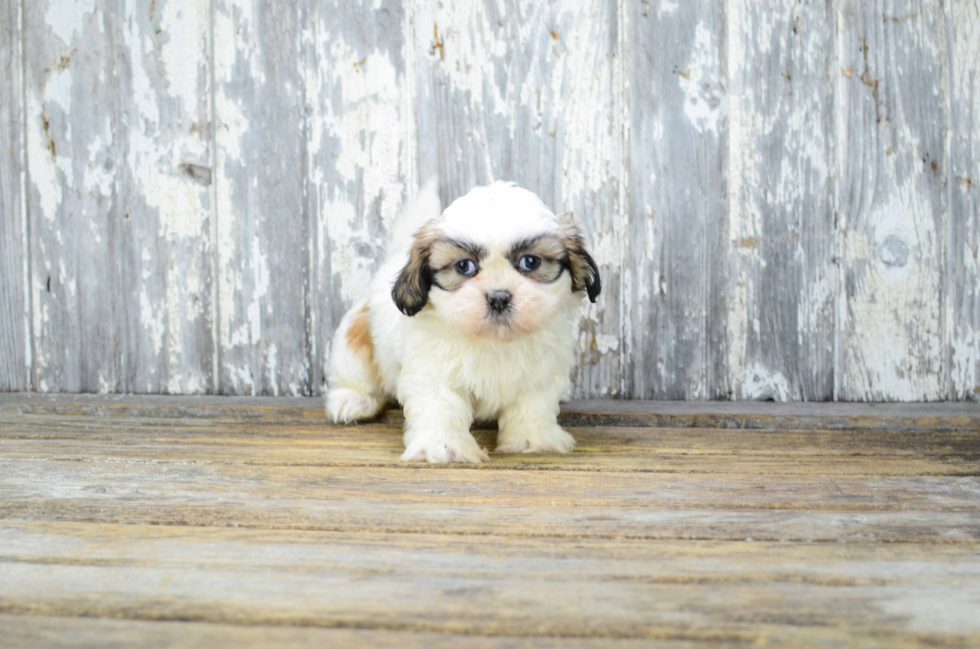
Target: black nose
point(498, 301)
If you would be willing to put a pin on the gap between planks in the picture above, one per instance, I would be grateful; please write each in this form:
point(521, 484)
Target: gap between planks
point(947, 416)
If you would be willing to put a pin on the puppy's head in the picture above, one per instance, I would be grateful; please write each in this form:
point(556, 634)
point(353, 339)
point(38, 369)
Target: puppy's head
point(496, 264)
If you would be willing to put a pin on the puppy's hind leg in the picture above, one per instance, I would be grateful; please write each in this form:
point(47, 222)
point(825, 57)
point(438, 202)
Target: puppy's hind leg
point(355, 387)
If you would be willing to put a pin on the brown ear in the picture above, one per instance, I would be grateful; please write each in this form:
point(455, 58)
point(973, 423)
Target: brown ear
point(581, 265)
point(410, 291)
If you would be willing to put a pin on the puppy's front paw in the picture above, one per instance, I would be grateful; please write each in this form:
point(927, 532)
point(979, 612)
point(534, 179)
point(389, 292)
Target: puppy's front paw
point(345, 405)
point(442, 448)
point(547, 440)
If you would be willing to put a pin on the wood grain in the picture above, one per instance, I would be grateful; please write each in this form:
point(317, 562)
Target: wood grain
point(893, 88)
point(619, 449)
point(678, 292)
point(781, 173)
point(361, 159)
point(611, 589)
point(506, 485)
point(895, 417)
point(81, 633)
point(125, 524)
point(15, 339)
point(514, 502)
point(782, 198)
point(164, 197)
point(963, 178)
point(263, 222)
point(74, 155)
point(118, 118)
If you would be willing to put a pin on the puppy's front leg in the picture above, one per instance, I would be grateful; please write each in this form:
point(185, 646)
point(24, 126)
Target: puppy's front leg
point(530, 425)
point(437, 427)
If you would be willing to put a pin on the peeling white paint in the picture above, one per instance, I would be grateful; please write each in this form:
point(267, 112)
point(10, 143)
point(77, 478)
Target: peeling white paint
point(159, 142)
point(372, 99)
point(883, 326)
point(963, 146)
point(241, 379)
point(234, 25)
point(45, 157)
point(892, 329)
point(368, 130)
point(230, 127)
point(260, 264)
point(757, 382)
point(271, 367)
point(44, 168)
point(701, 82)
point(742, 223)
point(99, 180)
point(152, 323)
point(814, 306)
point(260, 286)
point(470, 47)
point(606, 343)
point(64, 18)
point(964, 361)
point(185, 24)
point(779, 181)
point(533, 71)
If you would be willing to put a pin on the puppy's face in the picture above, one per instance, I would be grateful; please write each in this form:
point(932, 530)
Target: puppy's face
point(496, 264)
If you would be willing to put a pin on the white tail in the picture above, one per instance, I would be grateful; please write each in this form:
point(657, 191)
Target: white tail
point(419, 210)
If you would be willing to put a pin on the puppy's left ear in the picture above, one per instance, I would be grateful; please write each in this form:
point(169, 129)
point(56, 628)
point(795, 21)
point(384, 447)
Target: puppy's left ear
point(410, 291)
point(581, 265)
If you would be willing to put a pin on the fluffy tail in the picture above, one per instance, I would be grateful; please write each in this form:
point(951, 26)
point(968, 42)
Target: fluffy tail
point(420, 209)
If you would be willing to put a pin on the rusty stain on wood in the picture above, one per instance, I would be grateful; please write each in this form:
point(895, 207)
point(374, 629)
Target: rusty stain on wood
point(437, 43)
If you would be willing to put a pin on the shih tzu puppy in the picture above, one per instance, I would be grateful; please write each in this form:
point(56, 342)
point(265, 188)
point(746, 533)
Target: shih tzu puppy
point(470, 318)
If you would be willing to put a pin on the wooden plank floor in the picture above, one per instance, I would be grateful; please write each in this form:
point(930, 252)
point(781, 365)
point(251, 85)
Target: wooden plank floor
point(159, 522)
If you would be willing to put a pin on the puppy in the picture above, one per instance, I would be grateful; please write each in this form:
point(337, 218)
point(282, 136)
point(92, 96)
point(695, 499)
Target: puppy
point(470, 318)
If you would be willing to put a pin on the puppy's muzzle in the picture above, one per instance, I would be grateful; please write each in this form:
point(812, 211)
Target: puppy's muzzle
point(498, 301)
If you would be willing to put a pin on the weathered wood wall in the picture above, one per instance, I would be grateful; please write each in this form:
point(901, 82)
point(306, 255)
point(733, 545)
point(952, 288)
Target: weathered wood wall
point(784, 196)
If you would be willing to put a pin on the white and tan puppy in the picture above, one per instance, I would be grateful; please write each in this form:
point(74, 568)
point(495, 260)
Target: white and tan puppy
point(470, 318)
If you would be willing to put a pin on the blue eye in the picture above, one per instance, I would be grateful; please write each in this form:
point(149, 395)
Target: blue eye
point(529, 263)
point(466, 267)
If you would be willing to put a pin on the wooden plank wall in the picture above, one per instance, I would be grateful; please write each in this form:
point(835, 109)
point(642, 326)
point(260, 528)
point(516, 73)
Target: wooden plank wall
point(783, 197)
point(15, 339)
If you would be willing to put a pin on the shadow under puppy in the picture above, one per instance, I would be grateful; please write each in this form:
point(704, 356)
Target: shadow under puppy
point(470, 318)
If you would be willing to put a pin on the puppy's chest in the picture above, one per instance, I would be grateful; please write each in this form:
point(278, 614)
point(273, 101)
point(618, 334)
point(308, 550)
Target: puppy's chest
point(497, 375)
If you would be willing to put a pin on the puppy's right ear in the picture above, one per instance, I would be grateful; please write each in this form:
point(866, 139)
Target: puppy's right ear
point(410, 291)
point(584, 270)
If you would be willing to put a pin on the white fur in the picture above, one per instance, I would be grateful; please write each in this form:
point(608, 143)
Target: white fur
point(448, 364)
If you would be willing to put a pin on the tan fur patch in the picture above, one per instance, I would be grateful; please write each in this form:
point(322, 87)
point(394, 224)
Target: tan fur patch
point(549, 248)
point(411, 290)
point(360, 341)
point(445, 252)
point(585, 272)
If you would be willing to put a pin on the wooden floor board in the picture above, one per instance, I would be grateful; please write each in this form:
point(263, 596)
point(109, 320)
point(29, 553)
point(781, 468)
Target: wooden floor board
point(127, 524)
point(592, 412)
point(433, 584)
point(29, 632)
point(687, 450)
point(511, 503)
